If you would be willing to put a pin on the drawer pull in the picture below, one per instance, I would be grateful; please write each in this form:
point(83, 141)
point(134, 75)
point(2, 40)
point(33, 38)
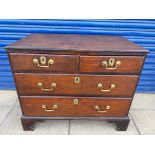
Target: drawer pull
point(111, 64)
point(47, 89)
point(43, 61)
point(106, 90)
point(102, 111)
point(50, 109)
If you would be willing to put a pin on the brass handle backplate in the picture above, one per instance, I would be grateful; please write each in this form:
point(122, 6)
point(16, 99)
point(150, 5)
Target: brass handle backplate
point(106, 90)
point(43, 63)
point(49, 109)
point(47, 89)
point(102, 111)
point(111, 64)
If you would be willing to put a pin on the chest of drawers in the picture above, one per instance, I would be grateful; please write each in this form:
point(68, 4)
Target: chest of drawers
point(60, 76)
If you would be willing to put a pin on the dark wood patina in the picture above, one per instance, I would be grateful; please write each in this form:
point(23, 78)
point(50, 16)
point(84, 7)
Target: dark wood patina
point(84, 87)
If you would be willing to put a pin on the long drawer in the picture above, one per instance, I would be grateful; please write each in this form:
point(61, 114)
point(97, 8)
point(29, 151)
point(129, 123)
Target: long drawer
point(111, 64)
point(72, 106)
point(80, 85)
point(42, 63)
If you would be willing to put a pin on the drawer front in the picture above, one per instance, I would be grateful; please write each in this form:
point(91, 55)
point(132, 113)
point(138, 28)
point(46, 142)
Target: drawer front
point(82, 85)
point(111, 64)
point(46, 106)
point(42, 63)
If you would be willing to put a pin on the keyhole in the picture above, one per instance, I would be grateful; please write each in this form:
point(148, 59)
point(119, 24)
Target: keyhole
point(76, 79)
point(111, 62)
point(43, 60)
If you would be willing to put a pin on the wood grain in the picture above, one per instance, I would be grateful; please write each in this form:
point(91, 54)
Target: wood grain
point(88, 86)
point(32, 106)
point(24, 63)
point(93, 64)
point(75, 56)
point(80, 43)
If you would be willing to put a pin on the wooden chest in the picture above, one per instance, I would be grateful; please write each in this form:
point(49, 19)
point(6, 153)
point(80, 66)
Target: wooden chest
point(62, 76)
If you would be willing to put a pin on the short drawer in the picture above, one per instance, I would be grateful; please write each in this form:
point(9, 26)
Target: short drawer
point(83, 85)
point(111, 64)
point(74, 106)
point(42, 63)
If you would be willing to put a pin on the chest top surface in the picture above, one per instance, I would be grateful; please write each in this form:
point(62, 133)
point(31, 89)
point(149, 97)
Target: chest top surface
point(80, 43)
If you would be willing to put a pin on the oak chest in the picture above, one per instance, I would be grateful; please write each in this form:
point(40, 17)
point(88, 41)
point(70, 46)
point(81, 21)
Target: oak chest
point(60, 76)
